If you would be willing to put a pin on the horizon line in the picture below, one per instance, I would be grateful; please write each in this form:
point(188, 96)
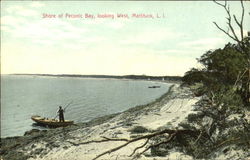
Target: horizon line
point(44, 74)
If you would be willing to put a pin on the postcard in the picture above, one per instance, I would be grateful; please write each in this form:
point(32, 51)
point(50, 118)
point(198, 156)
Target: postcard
point(125, 80)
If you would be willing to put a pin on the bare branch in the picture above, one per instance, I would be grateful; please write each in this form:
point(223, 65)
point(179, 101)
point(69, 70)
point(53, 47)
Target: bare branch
point(242, 18)
point(239, 77)
point(225, 31)
point(198, 137)
point(226, 141)
point(237, 22)
point(98, 141)
point(144, 144)
point(229, 23)
point(172, 134)
point(112, 150)
point(220, 3)
point(115, 139)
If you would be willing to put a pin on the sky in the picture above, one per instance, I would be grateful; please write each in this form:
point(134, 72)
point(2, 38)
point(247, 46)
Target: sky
point(162, 46)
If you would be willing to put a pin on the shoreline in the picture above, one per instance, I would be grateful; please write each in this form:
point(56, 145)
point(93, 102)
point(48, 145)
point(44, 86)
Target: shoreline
point(121, 78)
point(105, 117)
point(173, 79)
point(34, 144)
point(147, 83)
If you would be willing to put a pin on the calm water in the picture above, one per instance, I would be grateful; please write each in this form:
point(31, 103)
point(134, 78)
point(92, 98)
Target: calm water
point(24, 96)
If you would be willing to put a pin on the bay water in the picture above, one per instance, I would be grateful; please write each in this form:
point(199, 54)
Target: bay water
point(24, 96)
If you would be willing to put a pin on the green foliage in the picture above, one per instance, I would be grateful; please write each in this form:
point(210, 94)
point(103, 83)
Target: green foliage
point(160, 151)
point(223, 68)
point(194, 117)
point(185, 125)
point(230, 101)
point(225, 64)
point(225, 80)
point(193, 76)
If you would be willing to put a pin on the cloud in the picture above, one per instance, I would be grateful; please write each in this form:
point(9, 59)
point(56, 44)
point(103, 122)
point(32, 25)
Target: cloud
point(134, 60)
point(151, 36)
point(36, 4)
point(41, 30)
point(110, 23)
point(173, 51)
point(51, 31)
point(203, 44)
point(99, 46)
point(102, 58)
point(20, 10)
point(179, 52)
point(17, 23)
point(93, 39)
point(5, 29)
point(12, 21)
point(115, 24)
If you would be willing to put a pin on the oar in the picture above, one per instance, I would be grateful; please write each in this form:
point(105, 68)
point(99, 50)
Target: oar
point(67, 105)
point(56, 116)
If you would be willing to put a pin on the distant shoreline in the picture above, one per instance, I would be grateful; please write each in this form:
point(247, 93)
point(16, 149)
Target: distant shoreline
point(129, 77)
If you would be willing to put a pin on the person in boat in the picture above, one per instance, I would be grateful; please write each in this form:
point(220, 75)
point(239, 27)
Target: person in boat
point(61, 114)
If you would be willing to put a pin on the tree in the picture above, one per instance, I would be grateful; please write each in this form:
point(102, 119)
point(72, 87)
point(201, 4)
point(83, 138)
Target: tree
point(225, 64)
point(243, 44)
point(231, 31)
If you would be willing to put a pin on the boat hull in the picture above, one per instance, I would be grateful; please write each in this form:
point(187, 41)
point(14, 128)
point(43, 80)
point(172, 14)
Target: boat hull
point(51, 122)
point(154, 86)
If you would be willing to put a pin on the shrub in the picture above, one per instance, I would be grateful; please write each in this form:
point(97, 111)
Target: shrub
point(139, 129)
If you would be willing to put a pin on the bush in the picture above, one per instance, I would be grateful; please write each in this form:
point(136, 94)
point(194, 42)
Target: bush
point(139, 129)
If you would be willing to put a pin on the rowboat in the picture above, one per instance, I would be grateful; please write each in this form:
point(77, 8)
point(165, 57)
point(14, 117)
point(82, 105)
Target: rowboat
point(50, 122)
point(154, 86)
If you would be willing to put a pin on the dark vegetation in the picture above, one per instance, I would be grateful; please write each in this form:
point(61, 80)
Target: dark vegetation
point(227, 68)
point(223, 83)
point(139, 129)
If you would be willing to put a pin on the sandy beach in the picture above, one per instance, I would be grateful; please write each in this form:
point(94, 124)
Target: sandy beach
point(67, 143)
